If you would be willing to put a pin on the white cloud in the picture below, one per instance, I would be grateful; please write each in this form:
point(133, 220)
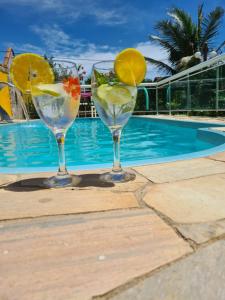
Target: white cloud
point(72, 10)
point(150, 50)
point(146, 48)
point(24, 47)
point(52, 36)
point(58, 43)
point(38, 4)
point(108, 17)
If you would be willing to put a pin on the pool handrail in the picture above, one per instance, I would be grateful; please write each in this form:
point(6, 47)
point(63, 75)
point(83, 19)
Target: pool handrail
point(19, 97)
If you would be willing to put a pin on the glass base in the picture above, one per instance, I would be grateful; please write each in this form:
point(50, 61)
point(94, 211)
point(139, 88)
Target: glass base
point(60, 181)
point(121, 176)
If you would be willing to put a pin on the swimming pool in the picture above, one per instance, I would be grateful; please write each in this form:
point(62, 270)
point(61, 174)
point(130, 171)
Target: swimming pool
point(31, 147)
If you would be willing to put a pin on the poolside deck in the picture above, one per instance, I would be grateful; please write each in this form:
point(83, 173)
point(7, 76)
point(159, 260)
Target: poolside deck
point(161, 236)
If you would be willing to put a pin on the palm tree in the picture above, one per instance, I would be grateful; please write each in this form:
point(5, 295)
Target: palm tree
point(181, 37)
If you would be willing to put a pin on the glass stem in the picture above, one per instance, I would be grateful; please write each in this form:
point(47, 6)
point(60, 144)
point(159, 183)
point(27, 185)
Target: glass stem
point(60, 137)
point(116, 133)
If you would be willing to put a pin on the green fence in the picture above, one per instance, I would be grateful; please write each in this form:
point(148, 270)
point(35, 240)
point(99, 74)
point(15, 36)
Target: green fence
point(200, 88)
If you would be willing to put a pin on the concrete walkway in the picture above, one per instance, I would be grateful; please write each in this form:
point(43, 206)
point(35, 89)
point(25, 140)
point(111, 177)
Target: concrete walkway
point(160, 237)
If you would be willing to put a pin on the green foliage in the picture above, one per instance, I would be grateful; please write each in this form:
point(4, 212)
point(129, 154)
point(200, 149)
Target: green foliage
point(105, 78)
point(62, 72)
point(100, 78)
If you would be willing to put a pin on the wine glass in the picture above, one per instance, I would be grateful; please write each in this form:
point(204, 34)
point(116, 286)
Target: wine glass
point(114, 102)
point(57, 104)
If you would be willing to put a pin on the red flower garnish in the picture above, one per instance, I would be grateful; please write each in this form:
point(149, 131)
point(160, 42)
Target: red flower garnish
point(72, 86)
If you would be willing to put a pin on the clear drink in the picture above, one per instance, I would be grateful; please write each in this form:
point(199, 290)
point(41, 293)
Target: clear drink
point(57, 104)
point(55, 107)
point(115, 103)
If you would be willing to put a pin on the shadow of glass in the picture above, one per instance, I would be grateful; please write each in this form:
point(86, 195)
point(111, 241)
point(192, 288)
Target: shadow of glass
point(29, 185)
point(35, 184)
point(94, 180)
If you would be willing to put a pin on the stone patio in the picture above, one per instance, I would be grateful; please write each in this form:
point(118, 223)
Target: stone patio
point(159, 237)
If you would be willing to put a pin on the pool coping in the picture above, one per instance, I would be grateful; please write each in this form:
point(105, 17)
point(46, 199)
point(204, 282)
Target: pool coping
point(198, 154)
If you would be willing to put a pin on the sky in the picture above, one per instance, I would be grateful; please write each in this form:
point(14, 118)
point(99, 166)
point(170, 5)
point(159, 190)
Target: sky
point(89, 29)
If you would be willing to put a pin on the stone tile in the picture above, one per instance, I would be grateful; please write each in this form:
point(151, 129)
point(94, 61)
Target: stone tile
point(7, 179)
point(76, 257)
point(38, 203)
point(190, 201)
point(219, 156)
point(180, 170)
point(200, 276)
point(188, 118)
point(202, 232)
point(27, 198)
point(89, 180)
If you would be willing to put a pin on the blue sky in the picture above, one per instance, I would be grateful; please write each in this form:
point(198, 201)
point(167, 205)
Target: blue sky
point(86, 28)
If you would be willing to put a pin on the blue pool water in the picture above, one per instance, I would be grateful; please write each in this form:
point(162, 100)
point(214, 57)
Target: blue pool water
point(88, 143)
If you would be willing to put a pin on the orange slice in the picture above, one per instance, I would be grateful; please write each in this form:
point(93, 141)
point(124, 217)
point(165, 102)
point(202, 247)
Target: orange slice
point(30, 69)
point(130, 66)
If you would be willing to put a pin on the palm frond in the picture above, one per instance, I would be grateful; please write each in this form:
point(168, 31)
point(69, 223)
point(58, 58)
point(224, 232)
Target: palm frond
point(183, 20)
point(172, 51)
point(162, 42)
point(181, 37)
point(170, 33)
point(211, 24)
point(161, 65)
point(199, 26)
point(183, 43)
point(220, 46)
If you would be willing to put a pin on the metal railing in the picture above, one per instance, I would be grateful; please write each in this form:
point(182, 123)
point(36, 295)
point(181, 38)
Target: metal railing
point(18, 99)
point(199, 88)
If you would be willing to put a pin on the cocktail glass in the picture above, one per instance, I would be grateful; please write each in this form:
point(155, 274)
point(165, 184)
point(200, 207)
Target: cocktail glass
point(114, 102)
point(57, 105)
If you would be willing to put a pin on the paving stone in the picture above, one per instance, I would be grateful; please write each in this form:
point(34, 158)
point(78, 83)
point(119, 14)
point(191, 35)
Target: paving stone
point(7, 179)
point(27, 198)
point(188, 118)
point(180, 170)
point(219, 156)
point(190, 201)
point(54, 202)
point(200, 276)
point(89, 180)
point(76, 257)
point(202, 232)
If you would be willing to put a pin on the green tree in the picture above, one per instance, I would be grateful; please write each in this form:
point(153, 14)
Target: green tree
point(182, 37)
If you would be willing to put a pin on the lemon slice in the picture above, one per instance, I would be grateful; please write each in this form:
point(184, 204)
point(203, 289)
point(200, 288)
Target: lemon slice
point(51, 93)
point(38, 92)
point(54, 90)
point(30, 69)
point(116, 94)
point(130, 66)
